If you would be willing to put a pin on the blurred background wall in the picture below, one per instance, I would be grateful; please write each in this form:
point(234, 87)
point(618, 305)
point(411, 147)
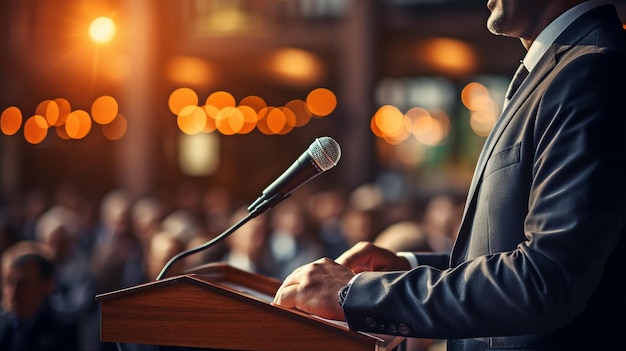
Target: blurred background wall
point(157, 93)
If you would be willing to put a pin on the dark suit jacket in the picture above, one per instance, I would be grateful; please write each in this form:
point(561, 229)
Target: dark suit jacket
point(46, 332)
point(539, 258)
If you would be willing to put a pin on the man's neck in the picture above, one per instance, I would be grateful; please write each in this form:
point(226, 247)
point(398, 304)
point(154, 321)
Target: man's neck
point(552, 13)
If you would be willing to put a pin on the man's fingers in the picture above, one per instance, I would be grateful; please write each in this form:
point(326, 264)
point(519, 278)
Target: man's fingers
point(286, 295)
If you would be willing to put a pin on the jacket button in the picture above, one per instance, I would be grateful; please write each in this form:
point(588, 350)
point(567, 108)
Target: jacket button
point(404, 329)
point(370, 323)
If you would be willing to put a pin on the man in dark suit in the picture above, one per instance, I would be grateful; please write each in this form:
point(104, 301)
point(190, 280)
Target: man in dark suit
point(27, 322)
point(538, 261)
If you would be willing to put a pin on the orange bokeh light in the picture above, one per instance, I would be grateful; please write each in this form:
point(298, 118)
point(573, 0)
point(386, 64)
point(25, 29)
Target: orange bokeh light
point(181, 98)
point(11, 120)
point(221, 99)
point(49, 109)
point(301, 111)
point(61, 133)
point(256, 102)
point(116, 129)
point(389, 120)
point(64, 110)
point(321, 102)
point(35, 129)
point(471, 95)
point(78, 124)
point(249, 117)
point(227, 117)
point(276, 120)
point(192, 119)
point(229, 120)
point(104, 109)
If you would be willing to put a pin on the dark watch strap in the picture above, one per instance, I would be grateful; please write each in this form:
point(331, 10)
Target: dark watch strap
point(343, 292)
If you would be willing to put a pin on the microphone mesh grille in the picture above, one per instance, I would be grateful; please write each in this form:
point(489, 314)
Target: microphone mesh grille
point(325, 152)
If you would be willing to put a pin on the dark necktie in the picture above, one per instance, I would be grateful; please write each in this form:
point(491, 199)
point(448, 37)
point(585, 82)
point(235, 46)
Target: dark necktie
point(517, 80)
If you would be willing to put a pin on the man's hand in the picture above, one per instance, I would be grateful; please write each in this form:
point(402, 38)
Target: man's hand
point(365, 256)
point(313, 288)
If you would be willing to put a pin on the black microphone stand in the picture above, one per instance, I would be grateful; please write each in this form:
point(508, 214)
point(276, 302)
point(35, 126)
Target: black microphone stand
point(255, 210)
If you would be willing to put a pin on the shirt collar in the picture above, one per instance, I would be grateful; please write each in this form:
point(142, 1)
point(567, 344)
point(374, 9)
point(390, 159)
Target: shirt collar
point(549, 34)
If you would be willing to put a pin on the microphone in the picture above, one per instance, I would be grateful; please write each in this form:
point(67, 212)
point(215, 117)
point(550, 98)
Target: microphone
point(322, 155)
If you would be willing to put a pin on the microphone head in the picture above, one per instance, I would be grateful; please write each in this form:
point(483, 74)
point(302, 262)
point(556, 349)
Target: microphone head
point(325, 152)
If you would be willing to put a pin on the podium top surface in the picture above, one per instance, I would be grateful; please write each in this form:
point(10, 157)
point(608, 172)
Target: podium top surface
point(219, 306)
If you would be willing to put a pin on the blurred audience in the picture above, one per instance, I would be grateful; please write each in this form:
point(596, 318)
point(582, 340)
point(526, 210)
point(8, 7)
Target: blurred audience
point(27, 321)
point(325, 210)
point(403, 236)
point(146, 215)
point(35, 203)
point(115, 241)
point(441, 220)
point(248, 248)
point(8, 234)
point(74, 288)
point(160, 249)
point(116, 260)
point(291, 241)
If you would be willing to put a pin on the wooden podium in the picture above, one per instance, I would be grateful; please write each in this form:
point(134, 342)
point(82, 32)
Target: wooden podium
point(217, 306)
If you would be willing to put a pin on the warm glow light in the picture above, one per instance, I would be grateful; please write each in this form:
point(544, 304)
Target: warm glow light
point(35, 129)
point(249, 117)
point(484, 111)
point(256, 102)
point(470, 93)
point(422, 122)
point(300, 110)
point(389, 120)
point(221, 99)
point(262, 124)
point(229, 120)
point(211, 112)
point(321, 102)
point(290, 121)
point(61, 133)
point(102, 30)
point(448, 55)
point(276, 120)
point(189, 70)
point(49, 110)
point(403, 133)
point(11, 120)
point(391, 125)
point(104, 109)
point(429, 130)
point(78, 124)
point(116, 129)
point(410, 152)
point(374, 127)
point(224, 115)
point(192, 119)
point(482, 122)
point(181, 98)
point(64, 110)
point(296, 66)
point(199, 154)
